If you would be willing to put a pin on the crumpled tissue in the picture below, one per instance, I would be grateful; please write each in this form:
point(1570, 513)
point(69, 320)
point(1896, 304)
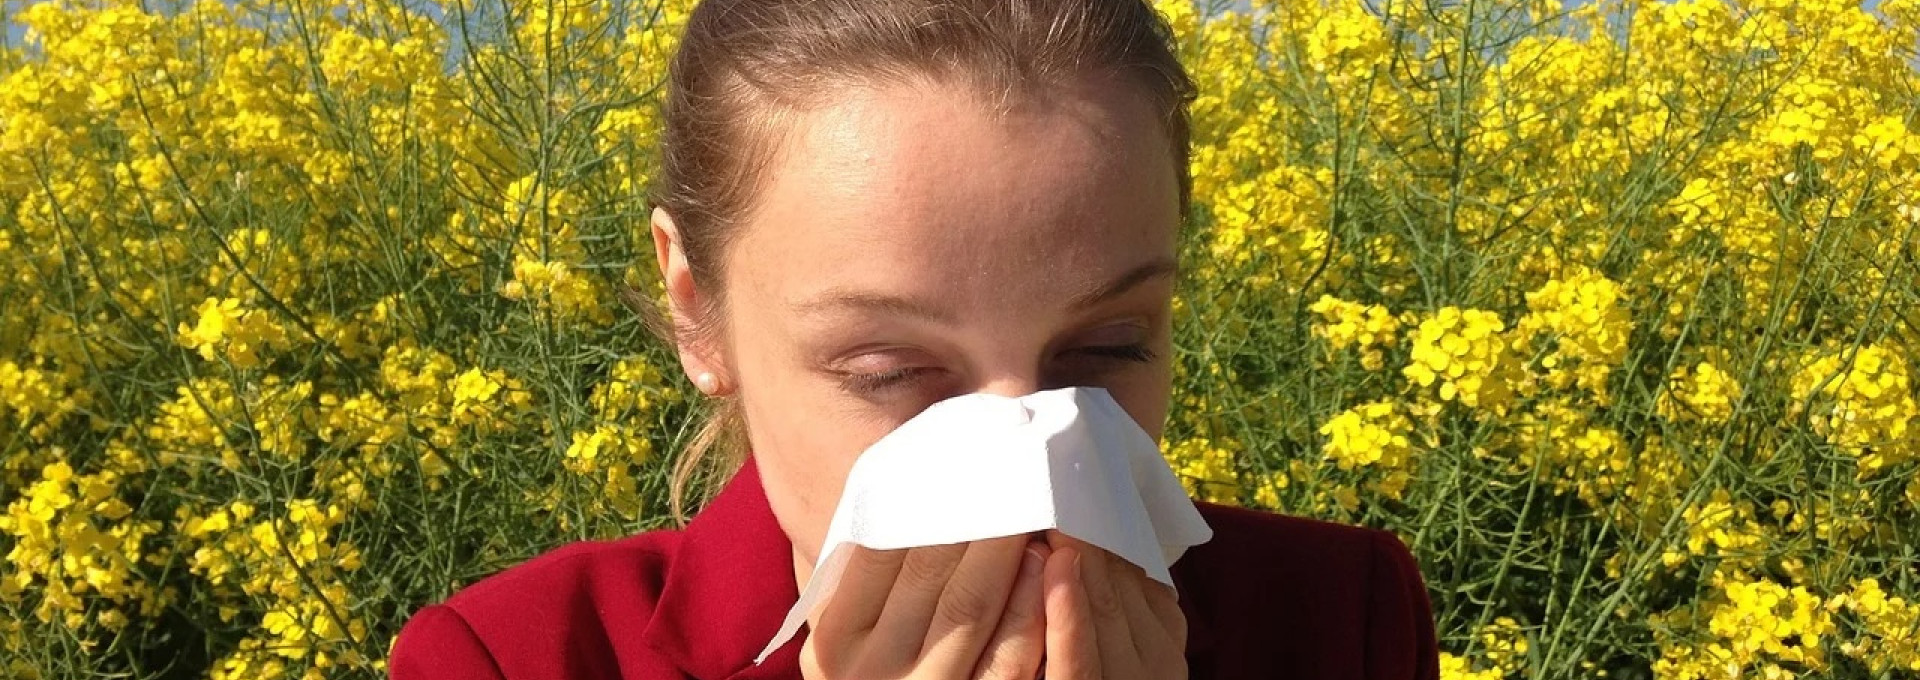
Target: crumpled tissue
point(982, 466)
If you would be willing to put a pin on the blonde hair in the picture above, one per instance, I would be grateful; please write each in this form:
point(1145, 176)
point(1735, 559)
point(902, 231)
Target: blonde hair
point(745, 67)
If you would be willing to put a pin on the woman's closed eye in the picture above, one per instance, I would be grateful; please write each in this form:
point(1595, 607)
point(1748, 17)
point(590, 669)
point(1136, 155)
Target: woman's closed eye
point(877, 382)
point(880, 370)
point(1135, 352)
point(880, 379)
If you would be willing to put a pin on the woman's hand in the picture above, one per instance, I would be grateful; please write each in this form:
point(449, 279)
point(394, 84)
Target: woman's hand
point(997, 609)
point(1106, 619)
point(965, 610)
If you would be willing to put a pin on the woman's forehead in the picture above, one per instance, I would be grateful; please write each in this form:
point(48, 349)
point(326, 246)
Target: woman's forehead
point(921, 185)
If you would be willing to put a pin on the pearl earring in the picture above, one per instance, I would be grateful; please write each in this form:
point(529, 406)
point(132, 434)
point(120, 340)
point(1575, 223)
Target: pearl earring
point(707, 382)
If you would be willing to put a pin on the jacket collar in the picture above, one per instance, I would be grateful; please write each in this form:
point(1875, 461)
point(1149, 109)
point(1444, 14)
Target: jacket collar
point(731, 585)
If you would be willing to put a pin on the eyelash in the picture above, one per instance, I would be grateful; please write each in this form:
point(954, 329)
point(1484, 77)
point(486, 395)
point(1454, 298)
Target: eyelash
point(876, 382)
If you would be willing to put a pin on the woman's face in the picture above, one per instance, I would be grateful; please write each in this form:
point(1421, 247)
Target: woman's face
point(911, 246)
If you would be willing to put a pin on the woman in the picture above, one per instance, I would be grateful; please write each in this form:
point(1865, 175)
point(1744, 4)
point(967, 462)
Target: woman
point(867, 206)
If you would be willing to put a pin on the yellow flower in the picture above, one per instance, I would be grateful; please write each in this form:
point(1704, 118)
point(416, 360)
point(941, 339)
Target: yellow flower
point(1462, 668)
point(1703, 393)
point(1585, 326)
point(1888, 642)
point(1463, 354)
point(1862, 401)
point(1370, 328)
point(226, 330)
point(1209, 472)
point(1373, 436)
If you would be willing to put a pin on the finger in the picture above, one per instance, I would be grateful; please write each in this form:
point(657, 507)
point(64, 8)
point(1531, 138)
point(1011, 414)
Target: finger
point(902, 627)
point(1020, 640)
point(833, 647)
point(970, 606)
point(1072, 652)
point(1156, 639)
point(861, 594)
point(1113, 632)
point(1165, 603)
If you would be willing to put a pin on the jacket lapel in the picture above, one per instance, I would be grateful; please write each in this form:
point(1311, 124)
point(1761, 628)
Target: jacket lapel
point(728, 588)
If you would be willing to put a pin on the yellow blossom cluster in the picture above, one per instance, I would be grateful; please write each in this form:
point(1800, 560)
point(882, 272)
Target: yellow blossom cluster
point(1502, 645)
point(1368, 328)
point(1579, 456)
point(223, 330)
point(1454, 667)
point(289, 568)
point(614, 452)
point(545, 261)
point(1464, 356)
point(1702, 393)
point(1863, 402)
point(1757, 628)
point(439, 399)
point(1585, 320)
point(1889, 622)
point(1208, 471)
point(218, 420)
point(73, 537)
point(1372, 435)
point(37, 401)
point(1721, 527)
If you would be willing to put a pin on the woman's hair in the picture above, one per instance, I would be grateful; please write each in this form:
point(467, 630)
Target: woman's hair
point(746, 68)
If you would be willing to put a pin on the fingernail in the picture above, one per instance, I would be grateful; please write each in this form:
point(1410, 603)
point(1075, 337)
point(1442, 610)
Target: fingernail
point(1033, 563)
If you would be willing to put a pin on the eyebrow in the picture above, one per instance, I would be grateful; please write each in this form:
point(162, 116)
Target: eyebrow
point(901, 306)
point(1161, 268)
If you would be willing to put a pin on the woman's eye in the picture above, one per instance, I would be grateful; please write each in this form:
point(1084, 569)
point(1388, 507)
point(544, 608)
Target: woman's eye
point(871, 383)
point(874, 372)
point(1138, 353)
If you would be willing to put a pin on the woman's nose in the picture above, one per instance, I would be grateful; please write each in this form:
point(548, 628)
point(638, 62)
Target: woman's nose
point(1012, 383)
point(1010, 388)
point(1022, 383)
point(1016, 367)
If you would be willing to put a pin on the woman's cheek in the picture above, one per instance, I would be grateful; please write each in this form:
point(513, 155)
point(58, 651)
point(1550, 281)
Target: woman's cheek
point(1145, 396)
point(818, 438)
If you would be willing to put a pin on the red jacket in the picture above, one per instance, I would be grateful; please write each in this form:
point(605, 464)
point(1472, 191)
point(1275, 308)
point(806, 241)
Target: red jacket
point(1270, 596)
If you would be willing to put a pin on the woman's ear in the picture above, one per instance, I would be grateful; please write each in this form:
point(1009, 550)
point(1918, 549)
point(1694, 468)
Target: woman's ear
point(685, 302)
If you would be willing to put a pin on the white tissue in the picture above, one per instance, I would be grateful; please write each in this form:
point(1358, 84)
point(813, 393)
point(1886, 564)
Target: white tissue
point(983, 466)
